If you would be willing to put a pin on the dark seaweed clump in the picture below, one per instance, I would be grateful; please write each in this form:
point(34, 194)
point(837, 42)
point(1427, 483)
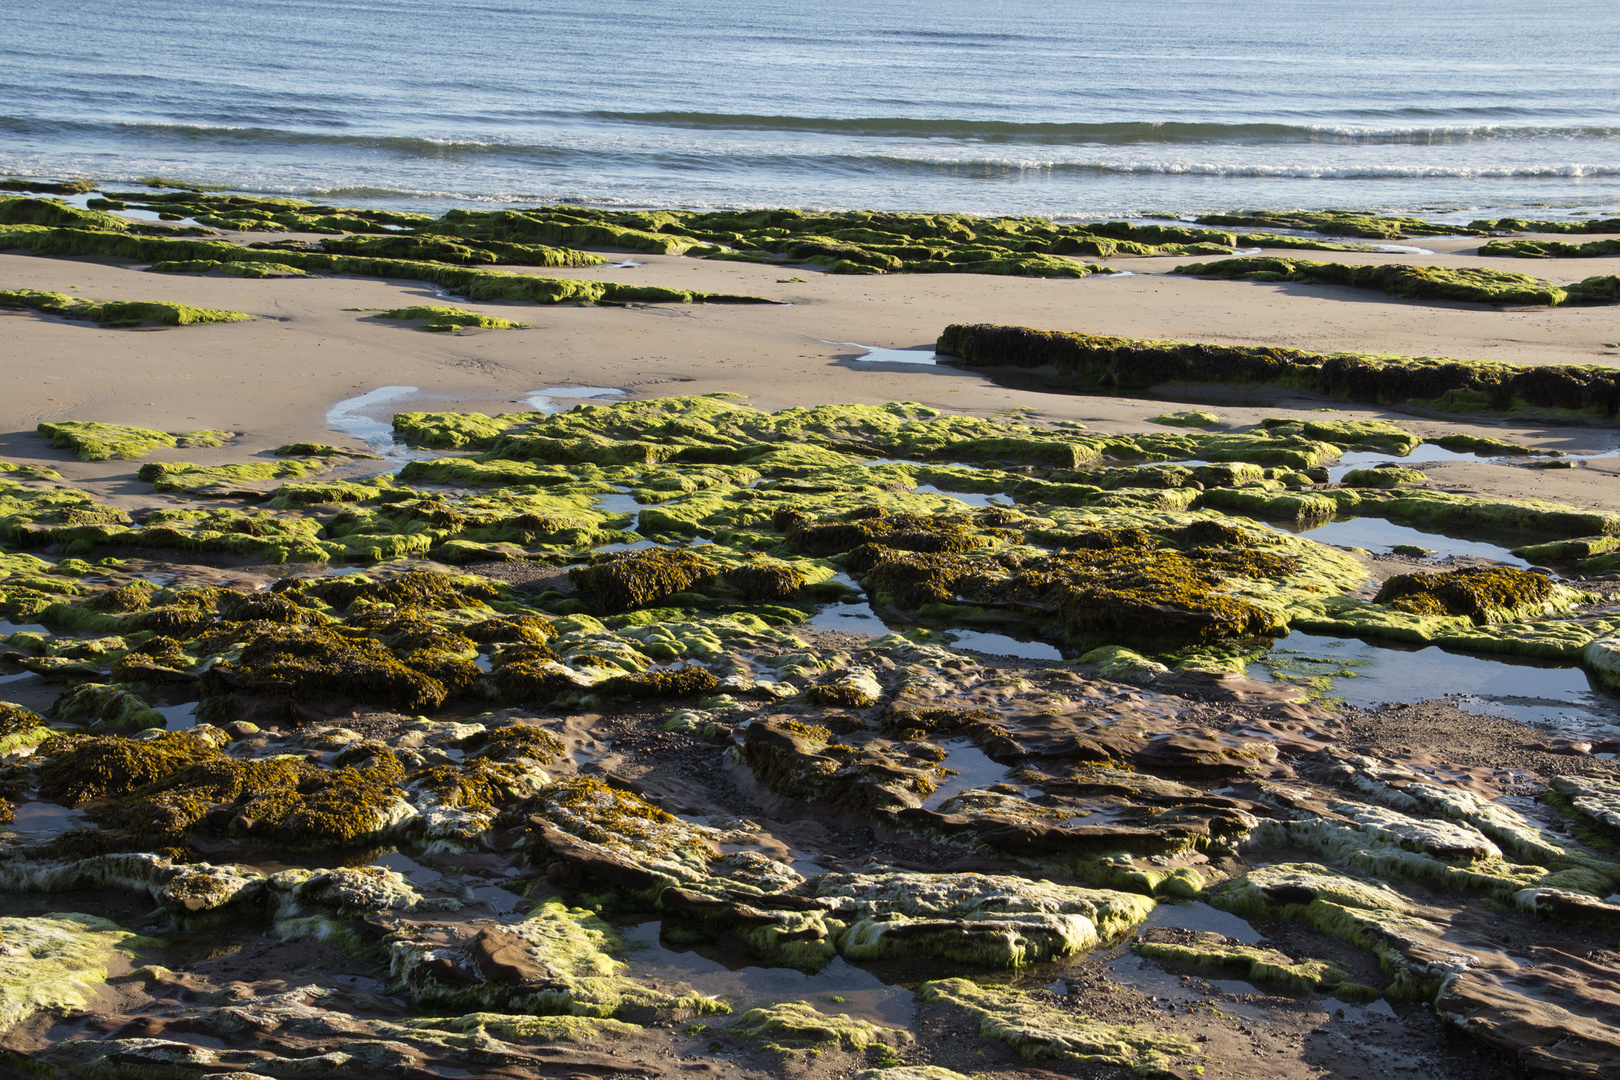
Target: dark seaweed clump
point(1112, 363)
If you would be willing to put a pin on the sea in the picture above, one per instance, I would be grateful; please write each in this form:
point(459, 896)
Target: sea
point(1068, 109)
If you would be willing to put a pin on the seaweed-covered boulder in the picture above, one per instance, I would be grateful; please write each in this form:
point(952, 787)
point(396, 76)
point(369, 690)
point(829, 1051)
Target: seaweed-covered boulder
point(1484, 594)
point(634, 579)
point(309, 663)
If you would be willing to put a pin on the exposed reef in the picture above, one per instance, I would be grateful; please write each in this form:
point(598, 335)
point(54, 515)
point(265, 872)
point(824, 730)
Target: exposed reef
point(1411, 282)
point(117, 312)
point(405, 820)
point(1104, 364)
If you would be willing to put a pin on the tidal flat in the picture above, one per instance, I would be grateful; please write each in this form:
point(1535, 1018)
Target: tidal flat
point(1182, 676)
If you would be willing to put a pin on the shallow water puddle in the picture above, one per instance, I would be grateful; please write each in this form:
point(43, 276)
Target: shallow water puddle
point(7, 627)
point(178, 717)
point(860, 993)
point(878, 355)
point(1364, 674)
point(1423, 453)
point(1147, 977)
point(547, 400)
point(1378, 535)
point(858, 617)
point(1002, 645)
point(972, 499)
point(404, 864)
point(619, 501)
point(1197, 915)
point(854, 616)
point(41, 820)
point(974, 769)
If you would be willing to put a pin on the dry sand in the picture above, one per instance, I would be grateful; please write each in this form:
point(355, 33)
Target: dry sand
point(275, 378)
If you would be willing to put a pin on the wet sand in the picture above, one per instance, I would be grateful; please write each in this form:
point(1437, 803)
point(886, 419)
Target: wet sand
point(275, 378)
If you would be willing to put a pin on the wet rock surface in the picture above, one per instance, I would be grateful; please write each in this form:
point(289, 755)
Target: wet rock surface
point(566, 811)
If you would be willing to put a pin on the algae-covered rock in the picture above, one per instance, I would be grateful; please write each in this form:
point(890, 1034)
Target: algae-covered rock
point(799, 1025)
point(1211, 952)
point(989, 920)
point(635, 579)
point(555, 962)
point(1033, 1025)
point(443, 319)
point(117, 312)
point(1603, 660)
point(1363, 912)
point(1496, 594)
point(55, 963)
point(1412, 282)
point(1382, 477)
point(95, 441)
point(1190, 419)
point(1100, 362)
point(1125, 665)
point(1594, 798)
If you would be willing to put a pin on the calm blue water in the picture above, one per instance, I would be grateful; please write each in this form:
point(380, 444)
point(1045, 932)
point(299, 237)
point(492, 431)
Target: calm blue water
point(1068, 108)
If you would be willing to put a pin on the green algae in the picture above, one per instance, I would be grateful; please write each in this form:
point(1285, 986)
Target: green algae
point(1367, 914)
point(117, 312)
point(55, 212)
point(441, 319)
point(1189, 419)
point(475, 283)
point(309, 449)
point(1038, 1030)
point(247, 269)
point(565, 954)
point(95, 441)
point(798, 1025)
point(1213, 953)
point(1589, 225)
point(1551, 249)
point(1483, 595)
point(182, 477)
point(56, 963)
point(1107, 364)
point(1382, 477)
point(1405, 281)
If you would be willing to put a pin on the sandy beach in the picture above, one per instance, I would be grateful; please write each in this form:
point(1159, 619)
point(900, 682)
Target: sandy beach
point(274, 379)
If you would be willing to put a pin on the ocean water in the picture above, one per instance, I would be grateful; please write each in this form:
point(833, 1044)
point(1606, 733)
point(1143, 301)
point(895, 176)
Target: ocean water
point(1067, 108)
